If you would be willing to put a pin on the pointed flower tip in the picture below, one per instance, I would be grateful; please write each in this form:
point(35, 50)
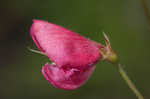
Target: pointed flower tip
point(37, 20)
point(34, 20)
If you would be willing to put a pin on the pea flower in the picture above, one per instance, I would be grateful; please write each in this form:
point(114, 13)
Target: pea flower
point(73, 56)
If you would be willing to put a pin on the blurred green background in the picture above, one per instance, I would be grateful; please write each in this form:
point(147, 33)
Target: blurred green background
point(122, 20)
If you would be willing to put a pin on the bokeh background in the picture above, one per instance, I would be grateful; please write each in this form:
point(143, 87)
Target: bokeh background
point(122, 20)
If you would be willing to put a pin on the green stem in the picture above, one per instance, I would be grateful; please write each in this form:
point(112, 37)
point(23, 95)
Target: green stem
point(146, 11)
point(129, 82)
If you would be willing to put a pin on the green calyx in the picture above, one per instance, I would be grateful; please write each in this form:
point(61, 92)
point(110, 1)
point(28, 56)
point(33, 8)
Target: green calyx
point(108, 53)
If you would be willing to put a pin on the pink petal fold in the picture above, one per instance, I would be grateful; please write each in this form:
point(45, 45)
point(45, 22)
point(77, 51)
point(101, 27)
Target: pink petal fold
point(66, 79)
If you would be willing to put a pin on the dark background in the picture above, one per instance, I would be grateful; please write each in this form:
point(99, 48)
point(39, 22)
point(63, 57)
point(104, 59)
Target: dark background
point(122, 20)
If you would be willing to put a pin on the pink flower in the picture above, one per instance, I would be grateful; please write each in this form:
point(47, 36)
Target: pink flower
point(73, 56)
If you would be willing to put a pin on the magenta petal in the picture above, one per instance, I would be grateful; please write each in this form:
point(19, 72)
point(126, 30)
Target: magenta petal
point(66, 79)
point(64, 47)
point(73, 54)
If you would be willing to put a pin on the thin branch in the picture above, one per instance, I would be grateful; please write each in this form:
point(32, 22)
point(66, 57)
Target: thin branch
point(146, 11)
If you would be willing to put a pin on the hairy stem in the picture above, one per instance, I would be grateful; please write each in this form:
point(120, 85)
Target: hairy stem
point(129, 82)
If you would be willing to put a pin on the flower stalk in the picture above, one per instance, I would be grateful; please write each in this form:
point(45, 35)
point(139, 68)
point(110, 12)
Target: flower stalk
point(129, 82)
point(111, 56)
